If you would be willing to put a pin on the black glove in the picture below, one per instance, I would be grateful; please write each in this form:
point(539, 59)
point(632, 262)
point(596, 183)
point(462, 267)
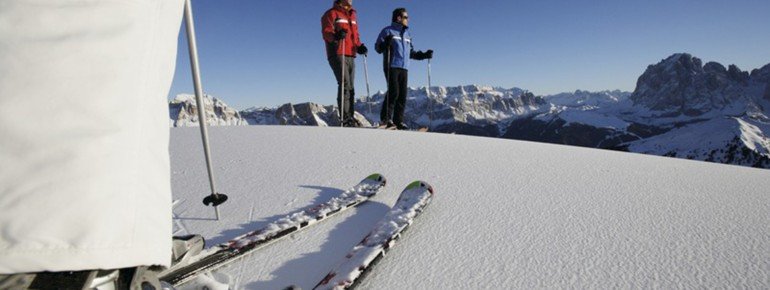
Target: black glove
point(341, 34)
point(429, 54)
point(362, 49)
point(419, 55)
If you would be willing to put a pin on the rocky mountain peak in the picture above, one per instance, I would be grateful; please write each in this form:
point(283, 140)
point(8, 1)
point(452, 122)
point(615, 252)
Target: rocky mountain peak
point(303, 114)
point(767, 91)
point(736, 74)
point(715, 68)
point(680, 84)
point(762, 74)
point(183, 111)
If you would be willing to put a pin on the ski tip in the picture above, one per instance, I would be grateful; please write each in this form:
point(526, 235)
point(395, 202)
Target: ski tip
point(376, 177)
point(420, 184)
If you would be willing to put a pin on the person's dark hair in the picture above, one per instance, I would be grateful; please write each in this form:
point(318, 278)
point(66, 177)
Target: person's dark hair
point(397, 13)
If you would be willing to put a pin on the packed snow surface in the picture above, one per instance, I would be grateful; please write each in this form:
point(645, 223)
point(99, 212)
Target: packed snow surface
point(506, 214)
point(383, 236)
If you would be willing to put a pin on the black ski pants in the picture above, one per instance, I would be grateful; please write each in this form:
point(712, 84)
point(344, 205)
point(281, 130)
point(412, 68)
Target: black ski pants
point(349, 90)
point(395, 101)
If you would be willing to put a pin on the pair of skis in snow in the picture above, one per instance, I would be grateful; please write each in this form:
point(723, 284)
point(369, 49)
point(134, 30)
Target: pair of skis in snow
point(412, 201)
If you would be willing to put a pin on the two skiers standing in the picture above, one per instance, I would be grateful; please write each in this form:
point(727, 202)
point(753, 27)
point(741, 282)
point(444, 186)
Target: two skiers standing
point(340, 33)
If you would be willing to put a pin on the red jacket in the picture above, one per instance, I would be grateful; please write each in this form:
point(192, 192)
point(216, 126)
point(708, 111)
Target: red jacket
point(340, 18)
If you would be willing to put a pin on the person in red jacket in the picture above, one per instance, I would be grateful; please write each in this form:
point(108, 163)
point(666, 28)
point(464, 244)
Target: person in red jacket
point(339, 27)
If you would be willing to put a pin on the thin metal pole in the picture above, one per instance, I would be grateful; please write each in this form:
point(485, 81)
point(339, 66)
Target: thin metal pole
point(188, 18)
point(430, 100)
point(342, 84)
point(366, 74)
point(386, 102)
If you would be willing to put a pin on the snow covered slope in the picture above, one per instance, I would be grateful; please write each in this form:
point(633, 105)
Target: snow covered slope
point(507, 214)
point(730, 140)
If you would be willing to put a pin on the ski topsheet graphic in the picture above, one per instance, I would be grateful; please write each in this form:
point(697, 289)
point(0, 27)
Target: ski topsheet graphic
point(225, 253)
point(373, 247)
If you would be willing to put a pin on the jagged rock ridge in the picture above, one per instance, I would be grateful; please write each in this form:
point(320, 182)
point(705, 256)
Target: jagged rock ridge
point(183, 112)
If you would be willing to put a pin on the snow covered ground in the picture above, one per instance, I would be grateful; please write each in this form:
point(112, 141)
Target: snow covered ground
point(507, 214)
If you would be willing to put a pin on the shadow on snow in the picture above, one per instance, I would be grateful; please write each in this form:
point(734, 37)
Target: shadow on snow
point(307, 270)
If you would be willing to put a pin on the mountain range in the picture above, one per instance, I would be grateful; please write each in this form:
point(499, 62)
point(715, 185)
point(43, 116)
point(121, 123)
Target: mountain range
point(680, 108)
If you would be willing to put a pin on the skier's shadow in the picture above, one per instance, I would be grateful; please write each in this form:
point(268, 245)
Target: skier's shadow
point(309, 269)
point(325, 194)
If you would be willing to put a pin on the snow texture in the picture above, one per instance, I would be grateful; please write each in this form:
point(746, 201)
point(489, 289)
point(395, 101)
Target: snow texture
point(359, 193)
point(272, 232)
point(507, 214)
point(410, 204)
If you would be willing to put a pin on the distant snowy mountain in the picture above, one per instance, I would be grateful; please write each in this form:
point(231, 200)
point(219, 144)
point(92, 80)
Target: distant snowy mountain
point(471, 110)
point(728, 140)
point(708, 112)
point(590, 119)
point(680, 108)
point(587, 99)
point(183, 112)
point(304, 114)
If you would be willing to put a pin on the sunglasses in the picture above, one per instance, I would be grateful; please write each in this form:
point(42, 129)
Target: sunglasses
point(405, 16)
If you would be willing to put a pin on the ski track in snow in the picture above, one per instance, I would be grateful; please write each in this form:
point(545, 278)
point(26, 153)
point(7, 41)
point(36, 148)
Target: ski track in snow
point(506, 214)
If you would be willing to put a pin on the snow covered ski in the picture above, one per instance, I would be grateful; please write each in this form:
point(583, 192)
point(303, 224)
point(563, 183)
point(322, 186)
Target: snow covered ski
point(359, 261)
point(225, 253)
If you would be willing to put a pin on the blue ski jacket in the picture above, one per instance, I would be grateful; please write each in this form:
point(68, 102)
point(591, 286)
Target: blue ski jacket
point(401, 48)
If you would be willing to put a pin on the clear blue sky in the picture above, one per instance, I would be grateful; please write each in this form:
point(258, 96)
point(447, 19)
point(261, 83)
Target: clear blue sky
point(266, 53)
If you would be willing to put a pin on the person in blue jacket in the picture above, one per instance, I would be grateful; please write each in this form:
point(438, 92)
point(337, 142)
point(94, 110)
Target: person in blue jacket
point(396, 44)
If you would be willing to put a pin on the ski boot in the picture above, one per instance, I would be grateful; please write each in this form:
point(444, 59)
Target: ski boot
point(138, 278)
point(185, 247)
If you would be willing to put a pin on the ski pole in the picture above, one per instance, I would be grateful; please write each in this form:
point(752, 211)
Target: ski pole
point(366, 75)
point(430, 100)
point(215, 198)
point(386, 101)
point(342, 84)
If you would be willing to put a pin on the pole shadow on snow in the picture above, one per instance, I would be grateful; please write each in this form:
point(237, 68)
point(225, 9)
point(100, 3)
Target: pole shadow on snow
point(324, 194)
point(307, 270)
point(194, 219)
point(179, 220)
